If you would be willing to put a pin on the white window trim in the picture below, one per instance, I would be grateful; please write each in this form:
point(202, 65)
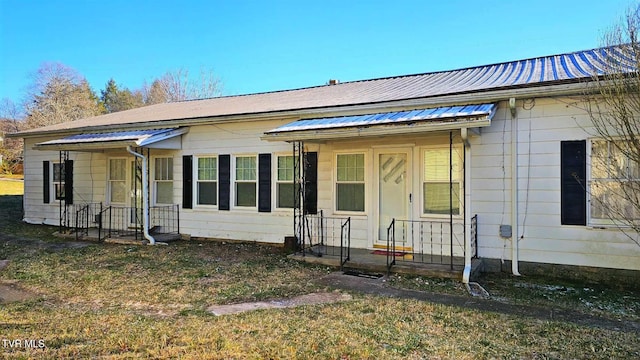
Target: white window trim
point(596, 222)
point(126, 179)
point(334, 181)
point(195, 181)
point(424, 215)
point(53, 182)
point(234, 181)
point(154, 181)
point(274, 181)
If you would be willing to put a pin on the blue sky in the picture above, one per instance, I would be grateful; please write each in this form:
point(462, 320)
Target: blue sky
point(256, 46)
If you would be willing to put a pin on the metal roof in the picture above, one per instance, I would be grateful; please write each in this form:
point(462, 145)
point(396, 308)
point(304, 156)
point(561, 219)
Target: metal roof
point(112, 139)
point(528, 73)
point(399, 117)
point(389, 123)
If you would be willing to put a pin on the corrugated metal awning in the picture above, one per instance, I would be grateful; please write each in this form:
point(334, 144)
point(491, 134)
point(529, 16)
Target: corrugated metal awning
point(157, 138)
point(398, 122)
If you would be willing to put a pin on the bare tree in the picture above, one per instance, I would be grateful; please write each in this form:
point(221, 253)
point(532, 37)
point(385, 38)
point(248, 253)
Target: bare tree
point(179, 85)
point(613, 104)
point(59, 94)
point(10, 148)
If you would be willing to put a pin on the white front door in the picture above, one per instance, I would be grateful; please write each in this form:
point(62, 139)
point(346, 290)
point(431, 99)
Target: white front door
point(393, 179)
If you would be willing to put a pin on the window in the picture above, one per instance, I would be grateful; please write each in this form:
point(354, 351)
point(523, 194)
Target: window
point(435, 182)
point(207, 179)
point(58, 181)
point(117, 181)
point(163, 180)
point(350, 182)
point(246, 181)
point(284, 182)
point(615, 182)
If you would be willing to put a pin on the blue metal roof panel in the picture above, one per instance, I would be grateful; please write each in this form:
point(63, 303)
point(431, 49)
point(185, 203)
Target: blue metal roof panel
point(390, 118)
point(134, 136)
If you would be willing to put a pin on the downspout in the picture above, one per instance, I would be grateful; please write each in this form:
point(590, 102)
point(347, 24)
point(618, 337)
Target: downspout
point(466, 273)
point(514, 187)
point(145, 196)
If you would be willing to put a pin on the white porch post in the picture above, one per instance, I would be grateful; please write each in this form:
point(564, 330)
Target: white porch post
point(466, 176)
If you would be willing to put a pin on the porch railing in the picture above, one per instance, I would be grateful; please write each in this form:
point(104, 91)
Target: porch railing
point(428, 242)
point(327, 235)
point(84, 218)
point(116, 221)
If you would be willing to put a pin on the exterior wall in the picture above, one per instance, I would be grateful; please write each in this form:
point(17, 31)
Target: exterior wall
point(89, 182)
point(238, 224)
point(542, 125)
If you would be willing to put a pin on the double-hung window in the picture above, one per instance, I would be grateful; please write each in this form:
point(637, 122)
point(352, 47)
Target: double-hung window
point(163, 180)
point(245, 181)
point(284, 182)
point(117, 181)
point(350, 182)
point(615, 182)
point(58, 181)
point(438, 185)
point(207, 181)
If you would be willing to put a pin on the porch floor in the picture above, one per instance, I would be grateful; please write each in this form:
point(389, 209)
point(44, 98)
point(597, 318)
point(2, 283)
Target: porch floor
point(371, 261)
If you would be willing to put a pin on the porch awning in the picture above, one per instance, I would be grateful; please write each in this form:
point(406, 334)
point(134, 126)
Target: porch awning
point(154, 139)
point(398, 122)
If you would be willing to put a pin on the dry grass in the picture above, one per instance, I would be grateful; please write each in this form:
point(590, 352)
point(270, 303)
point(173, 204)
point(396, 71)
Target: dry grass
point(122, 302)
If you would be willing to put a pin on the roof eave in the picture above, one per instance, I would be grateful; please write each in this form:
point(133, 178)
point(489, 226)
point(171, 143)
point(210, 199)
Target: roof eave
point(378, 130)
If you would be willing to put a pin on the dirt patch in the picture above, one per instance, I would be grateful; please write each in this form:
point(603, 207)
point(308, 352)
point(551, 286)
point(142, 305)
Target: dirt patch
point(10, 292)
point(308, 299)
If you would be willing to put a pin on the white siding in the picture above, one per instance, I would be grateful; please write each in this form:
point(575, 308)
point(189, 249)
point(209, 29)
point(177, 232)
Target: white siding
point(541, 128)
point(542, 238)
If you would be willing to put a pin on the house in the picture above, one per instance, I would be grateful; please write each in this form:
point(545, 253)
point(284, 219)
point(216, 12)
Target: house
point(489, 162)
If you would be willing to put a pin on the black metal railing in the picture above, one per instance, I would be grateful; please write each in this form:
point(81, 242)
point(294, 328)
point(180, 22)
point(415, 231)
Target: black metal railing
point(79, 218)
point(164, 219)
point(345, 242)
point(327, 235)
point(122, 221)
point(85, 218)
point(428, 242)
point(391, 245)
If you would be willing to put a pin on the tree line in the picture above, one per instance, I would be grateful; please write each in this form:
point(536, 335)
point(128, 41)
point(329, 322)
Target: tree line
point(59, 93)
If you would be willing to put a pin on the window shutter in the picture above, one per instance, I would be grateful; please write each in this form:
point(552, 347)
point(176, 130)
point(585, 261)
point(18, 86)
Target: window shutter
point(187, 182)
point(68, 182)
point(311, 183)
point(573, 173)
point(224, 176)
point(46, 182)
point(264, 183)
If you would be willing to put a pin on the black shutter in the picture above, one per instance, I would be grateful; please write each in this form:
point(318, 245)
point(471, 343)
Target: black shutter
point(224, 176)
point(187, 182)
point(264, 183)
point(68, 182)
point(46, 182)
point(573, 173)
point(311, 183)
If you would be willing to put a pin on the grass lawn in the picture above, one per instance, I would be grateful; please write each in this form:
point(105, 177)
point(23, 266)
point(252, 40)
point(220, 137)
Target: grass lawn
point(11, 185)
point(122, 302)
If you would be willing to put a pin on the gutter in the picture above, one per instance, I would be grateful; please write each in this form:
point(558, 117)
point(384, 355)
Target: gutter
point(514, 187)
point(466, 273)
point(145, 197)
